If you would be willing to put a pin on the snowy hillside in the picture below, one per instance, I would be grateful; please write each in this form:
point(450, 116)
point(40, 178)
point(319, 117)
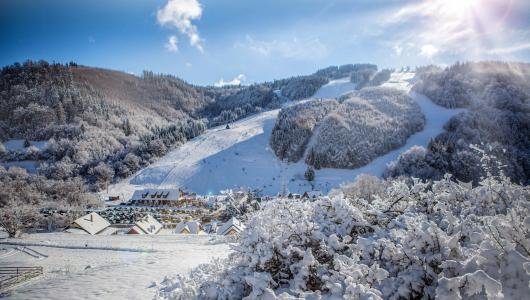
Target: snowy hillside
point(240, 156)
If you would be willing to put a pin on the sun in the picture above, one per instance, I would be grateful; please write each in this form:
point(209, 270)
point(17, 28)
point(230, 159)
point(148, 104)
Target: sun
point(458, 8)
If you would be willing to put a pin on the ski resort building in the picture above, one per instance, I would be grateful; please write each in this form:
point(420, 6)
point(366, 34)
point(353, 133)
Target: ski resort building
point(189, 227)
point(146, 225)
point(155, 197)
point(91, 223)
point(232, 227)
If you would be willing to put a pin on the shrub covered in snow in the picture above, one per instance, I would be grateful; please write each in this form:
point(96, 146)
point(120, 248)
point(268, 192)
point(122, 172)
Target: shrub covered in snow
point(24, 197)
point(349, 133)
point(440, 239)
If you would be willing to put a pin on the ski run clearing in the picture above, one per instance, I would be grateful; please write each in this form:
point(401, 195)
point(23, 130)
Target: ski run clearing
point(80, 266)
point(240, 157)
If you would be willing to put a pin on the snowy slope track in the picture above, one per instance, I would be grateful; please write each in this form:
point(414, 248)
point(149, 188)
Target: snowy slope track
point(240, 156)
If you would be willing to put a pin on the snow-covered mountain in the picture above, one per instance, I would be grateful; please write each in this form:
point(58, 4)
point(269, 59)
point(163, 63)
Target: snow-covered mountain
point(240, 156)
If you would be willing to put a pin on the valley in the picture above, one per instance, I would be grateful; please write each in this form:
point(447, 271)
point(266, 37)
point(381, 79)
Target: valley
point(240, 157)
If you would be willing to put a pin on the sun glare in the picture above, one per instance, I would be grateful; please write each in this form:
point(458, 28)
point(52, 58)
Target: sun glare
point(459, 7)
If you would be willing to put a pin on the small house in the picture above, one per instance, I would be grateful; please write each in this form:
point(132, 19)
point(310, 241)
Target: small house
point(231, 227)
point(91, 223)
point(146, 225)
point(189, 227)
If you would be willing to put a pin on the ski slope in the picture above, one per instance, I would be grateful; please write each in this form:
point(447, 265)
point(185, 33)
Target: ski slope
point(240, 157)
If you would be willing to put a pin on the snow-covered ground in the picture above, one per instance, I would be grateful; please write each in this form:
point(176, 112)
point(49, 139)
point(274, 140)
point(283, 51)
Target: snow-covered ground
point(129, 271)
point(241, 157)
point(18, 145)
point(31, 166)
point(335, 88)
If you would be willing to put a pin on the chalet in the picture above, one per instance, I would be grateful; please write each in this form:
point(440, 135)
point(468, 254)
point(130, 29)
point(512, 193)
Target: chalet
point(189, 227)
point(146, 225)
point(155, 197)
point(232, 227)
point(91, 223)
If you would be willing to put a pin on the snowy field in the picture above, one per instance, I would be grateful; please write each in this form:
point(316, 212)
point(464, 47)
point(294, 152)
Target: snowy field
point(81, 266)
point(18, 145)
point(31, 166)
point(241, 157)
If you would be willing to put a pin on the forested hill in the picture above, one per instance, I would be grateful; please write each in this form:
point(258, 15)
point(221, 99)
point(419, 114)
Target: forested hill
point(496, 96)
point(40, 101)
point(100, 124)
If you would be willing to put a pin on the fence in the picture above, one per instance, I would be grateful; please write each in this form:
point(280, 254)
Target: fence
point(10, 276)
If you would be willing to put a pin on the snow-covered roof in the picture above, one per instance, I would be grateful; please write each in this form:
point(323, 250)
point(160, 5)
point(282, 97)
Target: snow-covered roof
point(149, 225)
point(108, 231)
point(135, 230)
point(193, 227)
point(92, 223)
point(233, 223)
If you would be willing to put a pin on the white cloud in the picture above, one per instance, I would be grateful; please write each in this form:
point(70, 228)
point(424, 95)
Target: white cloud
point(428, 51)
point(295, 48)
point(510, 49)
point(172, 44)
point(188, 65)
point(398, 50)
point(180, 14)
point(236, 81)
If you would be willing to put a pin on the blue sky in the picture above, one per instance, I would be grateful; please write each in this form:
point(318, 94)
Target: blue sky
point(206, 41)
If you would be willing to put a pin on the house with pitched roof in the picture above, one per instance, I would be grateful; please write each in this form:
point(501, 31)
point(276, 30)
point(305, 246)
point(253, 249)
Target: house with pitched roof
point(91, 223)
point(146, 225)
point(231, 227)
point(189, 227)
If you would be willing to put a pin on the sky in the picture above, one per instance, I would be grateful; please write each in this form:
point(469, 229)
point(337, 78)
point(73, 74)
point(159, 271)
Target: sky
point(220, 42)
